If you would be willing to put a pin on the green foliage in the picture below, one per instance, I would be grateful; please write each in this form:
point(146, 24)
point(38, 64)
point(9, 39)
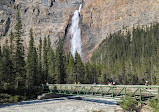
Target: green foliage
point(15, 98)
point(128, 104)
point(45, 62)
point(154, 104)
point(11, 41)
point(70, 70)
point(1, 67)
point(31, 64)
point(59, 64)
point(5, 98)
point(51, 63)
point(79, 68)
point(7, 70)
point(39, 66)
point(18, 54)
point(131, 58)
point(7, 86)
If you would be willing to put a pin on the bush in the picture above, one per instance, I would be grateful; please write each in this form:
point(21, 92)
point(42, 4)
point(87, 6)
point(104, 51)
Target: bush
point(128, 104)
point(154, 104)
point(7, 86)
point(17, 98)
point(5, 98)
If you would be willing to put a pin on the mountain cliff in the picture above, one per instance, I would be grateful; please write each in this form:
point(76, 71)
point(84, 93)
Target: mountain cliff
point(99, 18)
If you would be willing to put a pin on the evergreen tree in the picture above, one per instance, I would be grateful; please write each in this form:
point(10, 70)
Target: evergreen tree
point(79, 67)
point(87, 77)
point(94, 73)
point(18, 54)
point(51, 63)
point(59, 64)
point(1, 73)
point(103, 78)
point(31, 63)
point(70, 71)
point(11, 42)
point(8, 77)
point(36, 76)
point(45, 62)
point(40, 70)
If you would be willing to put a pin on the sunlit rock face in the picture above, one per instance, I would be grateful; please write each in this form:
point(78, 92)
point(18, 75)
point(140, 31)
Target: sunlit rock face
point(102, 17)
point(98, 18)
point(47, 18)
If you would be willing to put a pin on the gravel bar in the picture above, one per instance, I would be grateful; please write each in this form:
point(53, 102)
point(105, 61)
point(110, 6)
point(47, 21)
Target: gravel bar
point(64, 104)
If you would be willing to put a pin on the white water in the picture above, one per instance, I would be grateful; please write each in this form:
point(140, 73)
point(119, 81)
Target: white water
point(76, 43)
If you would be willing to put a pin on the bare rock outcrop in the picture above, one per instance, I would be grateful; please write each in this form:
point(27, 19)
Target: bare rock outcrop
point(102, 17)
point(47, 18)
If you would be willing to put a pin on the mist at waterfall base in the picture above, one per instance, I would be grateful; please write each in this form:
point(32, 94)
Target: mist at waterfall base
point(76, 42)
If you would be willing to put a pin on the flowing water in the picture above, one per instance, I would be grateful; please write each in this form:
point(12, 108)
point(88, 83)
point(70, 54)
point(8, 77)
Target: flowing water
point(76, 43)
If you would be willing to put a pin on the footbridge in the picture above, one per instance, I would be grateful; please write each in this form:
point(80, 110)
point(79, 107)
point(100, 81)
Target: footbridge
point(140, 93)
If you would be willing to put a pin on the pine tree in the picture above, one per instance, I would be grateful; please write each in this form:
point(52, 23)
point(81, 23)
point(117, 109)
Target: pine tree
point(79, 69)
point(8, 77)
point(1, 73)
point(40, 70)
point(45, 62)
point(11, 42)
point(87, 77)
point(18, 54)
point(31, 63)
point(59, 64)
point(70, 71)
point(36, 76)
point(51, 63)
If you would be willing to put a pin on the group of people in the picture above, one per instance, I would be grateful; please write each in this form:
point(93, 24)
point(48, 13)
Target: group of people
point(77, 83)
point(111, 83)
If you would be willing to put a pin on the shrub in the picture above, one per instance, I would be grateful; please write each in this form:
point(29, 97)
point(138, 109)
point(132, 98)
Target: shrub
point(17, 98)
point(7, 86)
point(128, 104)
point(154, 104)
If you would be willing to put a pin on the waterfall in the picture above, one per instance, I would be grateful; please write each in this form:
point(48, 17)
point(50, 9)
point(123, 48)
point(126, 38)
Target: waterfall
point(76, 42)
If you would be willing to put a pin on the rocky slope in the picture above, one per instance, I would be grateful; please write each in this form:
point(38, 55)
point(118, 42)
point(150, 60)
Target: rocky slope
point(52, 18)
point(102, 17)
point(47, 17)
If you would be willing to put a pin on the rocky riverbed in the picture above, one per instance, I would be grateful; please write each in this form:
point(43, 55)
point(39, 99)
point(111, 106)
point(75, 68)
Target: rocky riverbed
point(65, 104)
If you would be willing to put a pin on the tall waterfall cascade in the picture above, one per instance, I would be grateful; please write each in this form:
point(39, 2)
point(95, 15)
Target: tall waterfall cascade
point(76, 42)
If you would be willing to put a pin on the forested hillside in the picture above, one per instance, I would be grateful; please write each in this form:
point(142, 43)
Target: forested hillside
point(130, 58)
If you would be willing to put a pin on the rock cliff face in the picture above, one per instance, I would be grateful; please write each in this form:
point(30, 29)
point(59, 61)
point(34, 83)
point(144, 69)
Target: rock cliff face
point(102, 17)
point(52, 18)
point(47, 18)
